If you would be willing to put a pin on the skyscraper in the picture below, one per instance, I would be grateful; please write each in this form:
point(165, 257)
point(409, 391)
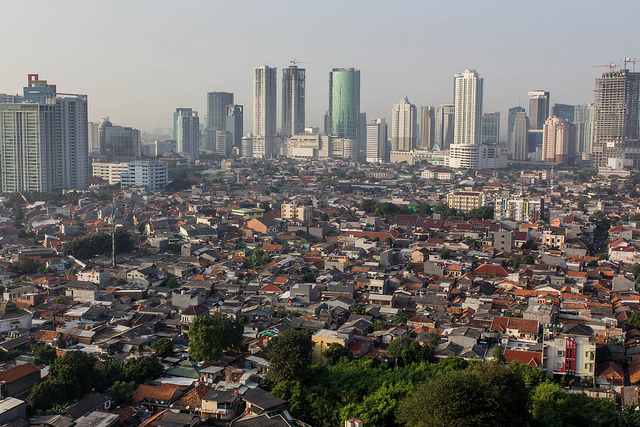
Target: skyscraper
point(491, 128)
point(344, 102)
point(44, 140)
point(403, 126)
point(565, 111)
point(118, 143)
point(235, 125)
point(264, 101)
point(584, 122)
point(293, 102)
point(464, 152)
point(617, 108)
point(427, 127)
point(538, 108)
point(558, 141)
point(187, 132)
point(217, 109)
point(519, 136)
point(511, 120)
point(376, 141)
point(445, 118)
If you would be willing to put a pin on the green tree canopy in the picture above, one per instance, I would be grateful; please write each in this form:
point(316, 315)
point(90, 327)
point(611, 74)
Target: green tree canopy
point(45, 354)
point(93, 244)
point(142, 369)
point(289, 355)
point(163, 347)
point(336, 352)
point(211, 336)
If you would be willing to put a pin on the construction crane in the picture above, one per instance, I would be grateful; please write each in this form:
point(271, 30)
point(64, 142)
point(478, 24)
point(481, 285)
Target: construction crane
point(611, 66)
point(294, 62)
point(627, 60)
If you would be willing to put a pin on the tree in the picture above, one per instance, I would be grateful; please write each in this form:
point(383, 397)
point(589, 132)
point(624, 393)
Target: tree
point(444, 253)
point(527, 259)
point(289, 355)
point(488, 395)
point(266, 206)
point(24, 265)
point(45, 354)
point(211, 336)
point(142, 369)
point(529, 244)
point(634, 320)
point(121, 392)
point(405, 351)
point(175, 247)
point(359, 309)
point(498, 355)
point(70, 272)
point(335, 352)
point(258, 258)
point(163, 347)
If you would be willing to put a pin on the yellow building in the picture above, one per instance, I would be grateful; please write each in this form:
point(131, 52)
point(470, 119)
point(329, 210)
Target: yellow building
point(323, 338)
point(464, 201)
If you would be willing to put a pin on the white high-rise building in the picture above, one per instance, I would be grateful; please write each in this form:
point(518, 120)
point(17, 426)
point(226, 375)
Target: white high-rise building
point(468, 108)
point(264, 101)
point(404, 126)
point(187, 132)
point(44, 140)
point(377, 141)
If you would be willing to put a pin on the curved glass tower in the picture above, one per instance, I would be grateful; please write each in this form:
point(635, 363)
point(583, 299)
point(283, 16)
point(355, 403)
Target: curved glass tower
point(344, 102)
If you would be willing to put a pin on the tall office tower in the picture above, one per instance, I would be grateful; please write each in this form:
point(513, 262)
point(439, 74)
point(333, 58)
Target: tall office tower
point(344, 102)
point(377, 141)
point(510, 123)
point(584, 123)
point(44, 140)
point(464, 152)
point(118, 143)
point(264, 101)
point(293, 84)
point(491, 128)
point(187, 132)
point(617, 107)
point(404, 126)
point(362, 136)
point(326, 123)
point(235, 125)
point(519, 136)
point(217, 109)
point(92, 135)
point(427, 127)
point(558, 141)
point(565, 111)
point(445, 118)
point(538, 108)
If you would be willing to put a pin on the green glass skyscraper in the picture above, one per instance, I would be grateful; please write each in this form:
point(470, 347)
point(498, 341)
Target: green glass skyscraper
point(344, 102)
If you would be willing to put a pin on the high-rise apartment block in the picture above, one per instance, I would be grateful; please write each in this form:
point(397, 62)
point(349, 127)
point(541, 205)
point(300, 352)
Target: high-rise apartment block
point(510, 123)
point(377, 141)
point(538, 108)
point(293, 101)
point(217, 103)
point(403, 126)
point(464, 152)
point(187, 132)
point(491, 128)
point(445, 119)
point(584, 123)
point(44, 140)
point(235, 125)
point(558, 141)
point(149, 175)
point(344, 103)
point(427, 127)
point(519, 136)
point(617, 108)
point(264, 101)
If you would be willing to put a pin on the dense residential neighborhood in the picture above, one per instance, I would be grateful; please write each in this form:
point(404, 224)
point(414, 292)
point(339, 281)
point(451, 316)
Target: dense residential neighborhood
point(211, 280)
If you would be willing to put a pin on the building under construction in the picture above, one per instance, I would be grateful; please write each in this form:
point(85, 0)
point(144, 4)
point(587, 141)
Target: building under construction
point(617, 116)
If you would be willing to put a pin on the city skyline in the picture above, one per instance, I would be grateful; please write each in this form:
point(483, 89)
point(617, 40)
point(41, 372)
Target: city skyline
point(420, 69)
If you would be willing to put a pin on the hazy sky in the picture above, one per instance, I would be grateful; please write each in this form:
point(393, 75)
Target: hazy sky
point(139, 60)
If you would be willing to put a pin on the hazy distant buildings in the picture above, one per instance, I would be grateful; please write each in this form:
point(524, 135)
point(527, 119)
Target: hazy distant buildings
point(617, 108)
point(217, 103)
point(187, 132)
point(519, 136)
point(403, 126)
point(44, 140)
point(293, 101)
point(558, 141)
point(565, 111)
point(235, 125)
point(118, 142)
point(427, 127)
point(445, 119)
point(377, 141)
point(491, 128)
point(92, 134)
point(538, 108)
point(344, 103)
point(264, 101)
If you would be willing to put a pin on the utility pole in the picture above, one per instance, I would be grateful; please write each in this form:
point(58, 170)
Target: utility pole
point(113, 233)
